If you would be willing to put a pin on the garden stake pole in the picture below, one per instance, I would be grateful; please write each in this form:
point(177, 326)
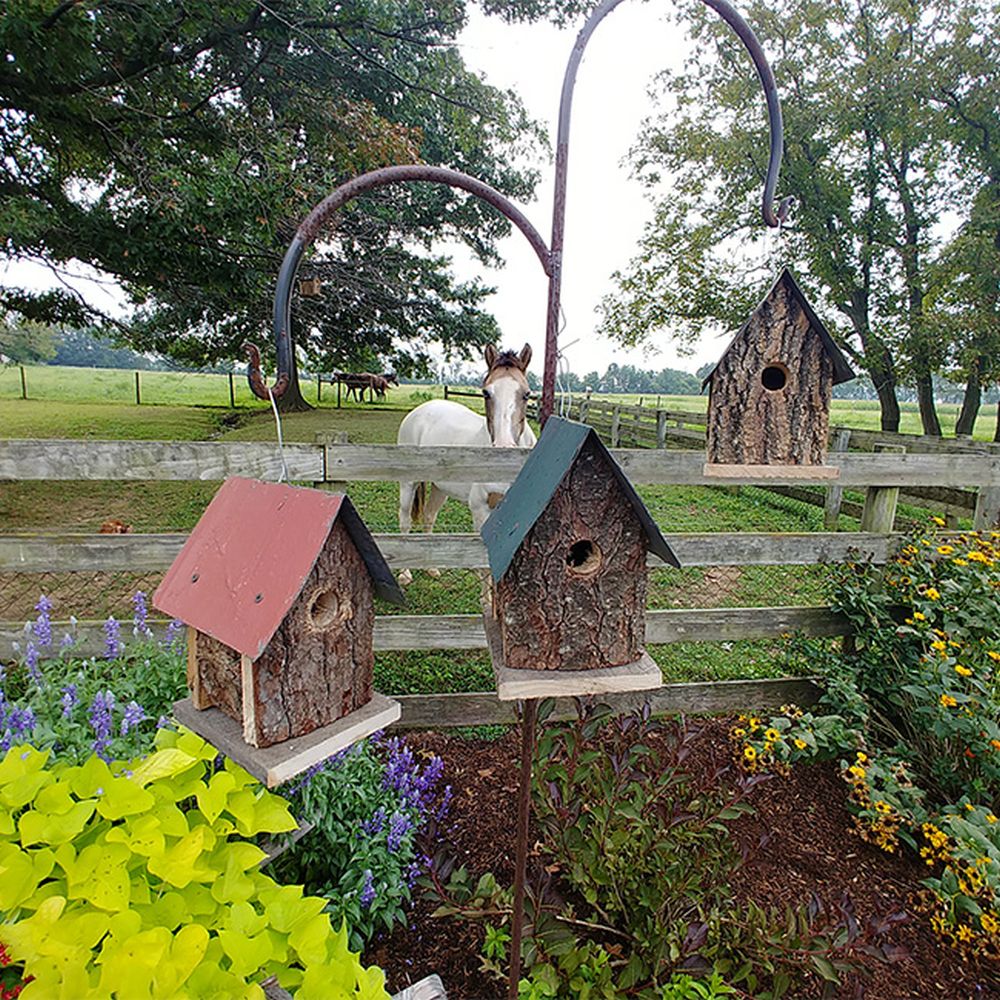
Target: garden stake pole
point(521, 858)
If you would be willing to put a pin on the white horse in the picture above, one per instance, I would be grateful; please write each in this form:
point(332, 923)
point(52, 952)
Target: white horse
point(443, 422)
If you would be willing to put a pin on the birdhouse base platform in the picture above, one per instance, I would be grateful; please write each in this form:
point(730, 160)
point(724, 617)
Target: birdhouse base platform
point(274, 765)
point(517, 684)
point(715, 470)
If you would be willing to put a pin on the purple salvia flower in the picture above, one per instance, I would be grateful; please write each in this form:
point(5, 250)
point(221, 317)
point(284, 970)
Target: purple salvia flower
point(100, 720)
point(22, 721)
point(140, 615)
point(133, 715)
point(413, 873)
point(42, 627)
point(69, 700)
point(444, 805)
point(113, 646)
point(174, 634)
point(5, 741)
point(375, 823)
point(368, 889)
point(66, 641)
point(399, 826)
point(31, 662)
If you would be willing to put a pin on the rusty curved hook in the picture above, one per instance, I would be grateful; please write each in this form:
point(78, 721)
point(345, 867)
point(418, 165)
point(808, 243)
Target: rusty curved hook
point(771, 217)
point(324, 211)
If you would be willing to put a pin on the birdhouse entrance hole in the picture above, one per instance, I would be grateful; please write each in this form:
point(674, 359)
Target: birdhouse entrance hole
point(774, 377)
point(584, 558)
point(327, 609)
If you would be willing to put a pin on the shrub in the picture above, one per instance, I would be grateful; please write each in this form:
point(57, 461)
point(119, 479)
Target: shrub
point(108, 705)
point(140, 882)
point(368, 805)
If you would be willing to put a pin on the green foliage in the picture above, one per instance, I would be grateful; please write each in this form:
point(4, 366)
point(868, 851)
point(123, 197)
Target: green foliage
point(916, 703)
point(645, 856)
point(26, 342)
point(139, 880)
point(368, 805)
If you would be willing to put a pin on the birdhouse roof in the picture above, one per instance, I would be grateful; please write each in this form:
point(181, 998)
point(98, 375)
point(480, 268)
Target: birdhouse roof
point(250, 554)
point(842, 371)
point(545, 468)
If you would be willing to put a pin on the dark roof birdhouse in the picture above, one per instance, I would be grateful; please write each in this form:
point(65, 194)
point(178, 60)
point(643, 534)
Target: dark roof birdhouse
point(276, 585)
point(769, 395)
point(567, 550)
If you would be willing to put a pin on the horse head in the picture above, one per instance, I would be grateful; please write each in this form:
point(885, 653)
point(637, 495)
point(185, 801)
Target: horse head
point(506, 394)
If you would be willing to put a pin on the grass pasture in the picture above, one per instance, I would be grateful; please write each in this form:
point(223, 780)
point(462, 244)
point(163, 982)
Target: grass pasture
point(82, 506)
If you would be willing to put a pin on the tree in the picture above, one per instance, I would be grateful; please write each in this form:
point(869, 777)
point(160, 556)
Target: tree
point(863, 157)
point(966, 85)
point(25, 342)
point(175, 146)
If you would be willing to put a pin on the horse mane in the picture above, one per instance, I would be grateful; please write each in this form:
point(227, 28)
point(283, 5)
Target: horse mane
point(507, 359)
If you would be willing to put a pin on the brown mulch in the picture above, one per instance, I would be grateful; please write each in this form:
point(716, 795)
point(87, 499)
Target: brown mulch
point(808, 847)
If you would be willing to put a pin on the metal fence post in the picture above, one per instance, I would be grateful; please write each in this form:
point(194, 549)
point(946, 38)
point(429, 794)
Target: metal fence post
point(138, 395)
point(232, 393)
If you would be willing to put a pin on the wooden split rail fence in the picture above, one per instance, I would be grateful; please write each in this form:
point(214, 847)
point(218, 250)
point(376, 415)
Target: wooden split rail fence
point(880, 474)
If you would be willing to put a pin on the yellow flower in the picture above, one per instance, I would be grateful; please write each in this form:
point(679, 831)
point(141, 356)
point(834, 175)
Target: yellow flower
point(931, 594)
point(749, 753)
point(964, 933)
point(990, 818)
point(962, 671)
point(857, 772)
point(920, 616)
point(989, 923)
point(801, 744)
point(863, 757)
point(739, 733)
point(939, 645)
point(772, 735)
point(961, 562)
point(995, 744)
point(947, 701)
point(978, 557)
point(945, 550)
point(994, 656)
point(939, 521)
point(883, 807)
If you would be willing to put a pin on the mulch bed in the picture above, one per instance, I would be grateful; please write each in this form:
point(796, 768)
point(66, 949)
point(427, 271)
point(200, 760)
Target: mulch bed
point(808, 847)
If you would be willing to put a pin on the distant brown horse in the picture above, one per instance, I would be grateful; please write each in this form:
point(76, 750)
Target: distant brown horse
point(357, 382)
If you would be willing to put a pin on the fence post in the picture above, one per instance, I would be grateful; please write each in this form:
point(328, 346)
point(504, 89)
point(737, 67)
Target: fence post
point(24, 384)
point(232, 392)
point(138, 395)
point(987, 515)
point(328, 441)
point(616, 424)
point(835, 494)
point(879, 512)
point(338, 393)
point(661, 428)
point(584, 408)
point(319, 387)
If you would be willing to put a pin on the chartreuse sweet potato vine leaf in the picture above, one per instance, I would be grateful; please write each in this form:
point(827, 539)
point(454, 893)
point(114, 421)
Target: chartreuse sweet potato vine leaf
point(135, 883)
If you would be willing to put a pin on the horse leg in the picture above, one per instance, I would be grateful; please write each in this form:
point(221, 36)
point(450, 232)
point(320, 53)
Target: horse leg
point(432, 507)
point(407, 497)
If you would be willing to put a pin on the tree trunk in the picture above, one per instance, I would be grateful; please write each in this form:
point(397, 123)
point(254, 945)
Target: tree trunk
point(925, 400)
point(884, 379)
point(972, 399)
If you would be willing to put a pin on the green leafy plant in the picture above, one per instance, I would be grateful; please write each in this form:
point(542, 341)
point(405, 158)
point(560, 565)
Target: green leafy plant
point(367, 805)
point(635, 890)
point(140, 880)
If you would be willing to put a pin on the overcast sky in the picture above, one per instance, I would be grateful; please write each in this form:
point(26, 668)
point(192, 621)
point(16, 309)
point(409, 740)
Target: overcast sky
point(606, 209)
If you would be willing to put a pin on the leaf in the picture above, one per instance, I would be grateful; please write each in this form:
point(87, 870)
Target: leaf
point(162, 764)
point(212, 797)
point(178, 864)
point(37, 828)
point(99, 875)
point(122, 797)
point(825, 968)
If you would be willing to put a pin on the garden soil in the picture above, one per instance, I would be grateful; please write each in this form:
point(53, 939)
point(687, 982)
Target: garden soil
point(799, 841)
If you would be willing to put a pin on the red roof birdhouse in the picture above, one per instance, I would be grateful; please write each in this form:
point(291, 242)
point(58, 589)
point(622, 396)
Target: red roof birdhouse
point(276, 585)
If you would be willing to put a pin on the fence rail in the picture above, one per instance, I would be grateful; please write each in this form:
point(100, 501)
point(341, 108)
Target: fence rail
point(879, 474)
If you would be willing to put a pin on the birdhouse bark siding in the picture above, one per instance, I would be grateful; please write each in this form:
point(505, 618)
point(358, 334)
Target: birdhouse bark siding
point(317, 667)
point(574, 595)
point(769, 397)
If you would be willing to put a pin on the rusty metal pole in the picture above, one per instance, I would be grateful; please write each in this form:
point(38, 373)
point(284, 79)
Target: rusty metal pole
point(521, 856)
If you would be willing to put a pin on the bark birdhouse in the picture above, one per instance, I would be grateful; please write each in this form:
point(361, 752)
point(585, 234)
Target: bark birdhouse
point(567, 551)
point(769, 394)
point(276, 585)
